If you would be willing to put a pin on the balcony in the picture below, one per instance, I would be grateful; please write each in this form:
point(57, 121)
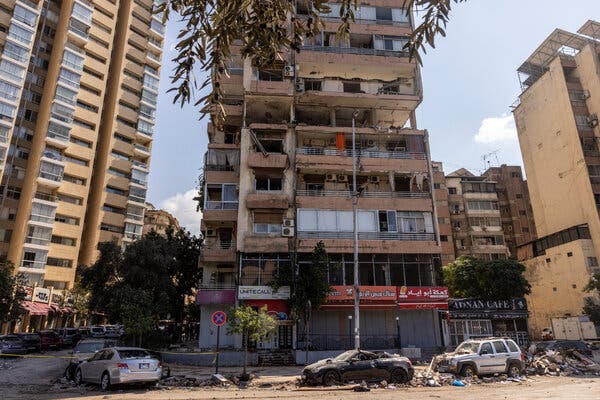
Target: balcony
point(267, 199)
point(139, 165)
point(141, 150)
point(266, 244)
point(271, 160)
point(362, 153)
point(220, 251)
point(370, 242)
point(368, 235)
point(274, 87)
point(342, 199)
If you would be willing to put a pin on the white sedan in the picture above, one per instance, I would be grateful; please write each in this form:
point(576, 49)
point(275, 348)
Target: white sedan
point(119, 365)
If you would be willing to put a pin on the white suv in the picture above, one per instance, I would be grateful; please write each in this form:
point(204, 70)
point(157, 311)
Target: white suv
point(483, 356)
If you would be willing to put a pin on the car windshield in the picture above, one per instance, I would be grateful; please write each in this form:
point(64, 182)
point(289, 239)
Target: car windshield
point(467, 347)
point(71, 331)
point(133, 353)
point(91, 347)
point(345, 356)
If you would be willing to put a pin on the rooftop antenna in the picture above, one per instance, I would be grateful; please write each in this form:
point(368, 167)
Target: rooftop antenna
point(488, 158)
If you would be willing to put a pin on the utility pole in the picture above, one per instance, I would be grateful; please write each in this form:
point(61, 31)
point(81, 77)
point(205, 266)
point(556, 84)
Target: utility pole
point(355, 227)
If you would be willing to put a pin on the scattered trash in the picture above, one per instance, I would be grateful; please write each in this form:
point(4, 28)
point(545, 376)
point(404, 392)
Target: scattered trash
point(458, 383)
point(562, 362)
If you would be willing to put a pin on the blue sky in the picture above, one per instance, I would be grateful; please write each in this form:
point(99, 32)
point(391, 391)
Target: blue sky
point(469, 82)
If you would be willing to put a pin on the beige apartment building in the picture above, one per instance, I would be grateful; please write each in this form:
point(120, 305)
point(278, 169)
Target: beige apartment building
point(158, 220)
point(278, 179)
point(557, 122)
point(440, 194)
point(78, 89)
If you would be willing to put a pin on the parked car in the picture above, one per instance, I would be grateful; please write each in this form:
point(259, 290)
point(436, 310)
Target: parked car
point(84, 350)
point(12, 344)
point(482, 357)
point(50, 340)
point(84, 331)
point(70, 336)
point(112, 332)
point(97, 331)
point(33, 342)
point(166, 370)
point(557, 345)
point(359, 365)
point(119, 365)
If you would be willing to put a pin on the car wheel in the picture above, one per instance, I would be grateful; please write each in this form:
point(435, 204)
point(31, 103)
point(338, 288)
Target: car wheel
point(105, 381)
point(78, 377)
point(399, 375)
point(69, 373)
point(514, 370)
point(331, 378)
point(468, 371)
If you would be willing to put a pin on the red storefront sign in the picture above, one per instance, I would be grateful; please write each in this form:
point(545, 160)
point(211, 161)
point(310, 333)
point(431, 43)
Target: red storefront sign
point(422, 297)
point(366, 293)
point(278, 309)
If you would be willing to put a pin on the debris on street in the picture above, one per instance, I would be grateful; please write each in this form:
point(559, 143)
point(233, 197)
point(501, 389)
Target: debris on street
point(563, 362)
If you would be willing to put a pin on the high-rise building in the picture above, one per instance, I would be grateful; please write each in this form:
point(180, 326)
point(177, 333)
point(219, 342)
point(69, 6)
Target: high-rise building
point(78, 88)
point(557, 123)
point(158, 220)
point(515, 207)
point(440, 193)
point(475, 216)
point(278, 180)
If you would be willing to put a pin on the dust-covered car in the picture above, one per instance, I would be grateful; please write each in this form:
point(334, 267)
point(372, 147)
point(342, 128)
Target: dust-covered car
point(482, 357)
point(359, 365)
point(85, 349)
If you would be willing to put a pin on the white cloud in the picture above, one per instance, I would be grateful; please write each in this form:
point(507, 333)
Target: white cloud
point(497, 129)
point(183, 207)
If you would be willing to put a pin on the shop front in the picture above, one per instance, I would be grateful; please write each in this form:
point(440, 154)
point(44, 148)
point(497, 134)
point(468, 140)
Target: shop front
point(390, 318)
point(211, 300)
point(275, 302)
point(476, 318)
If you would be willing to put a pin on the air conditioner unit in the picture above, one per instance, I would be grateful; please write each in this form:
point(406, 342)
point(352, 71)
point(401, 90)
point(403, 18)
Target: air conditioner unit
point(592, 121)
point(299, 85)
point(374, 179)
point(331, 177)
point(342, 178)
point(211, 233)
point(399, 148)
point(288, 222)
point(455, 211)
point(370, 143)
point(288, 70)
point(287, 231)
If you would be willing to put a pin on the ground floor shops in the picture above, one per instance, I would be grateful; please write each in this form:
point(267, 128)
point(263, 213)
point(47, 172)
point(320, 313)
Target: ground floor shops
point(477, 318)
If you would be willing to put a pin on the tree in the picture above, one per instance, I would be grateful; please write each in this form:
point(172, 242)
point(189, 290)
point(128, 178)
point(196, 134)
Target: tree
point(149, 281)
point(210, 28)
point(254, 325)
point(591, 306)
point(310, 286)
point(491, 280)
point(77, 298)
point(12, 293)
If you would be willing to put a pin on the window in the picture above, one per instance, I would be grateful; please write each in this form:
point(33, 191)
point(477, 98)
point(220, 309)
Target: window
point(451, 190)
point(24, 15)
point(74, 179)
point(444, 238)
point(65, 241)
point(352, 87)
point(499, 347)
point(150, 82)
point(66, 95)
point(388, 221)
point(20, 34)
point(413, 222)
point(570, 254)
point(72, 60)
point(70, 199)
point(82, 13)
point(312, 84)
point(88, 107)
point(15, 52)
point(268, 183)
point(65, 219)
point(114, 190)
point(478, 187)
point(592, 262)
point(111, 228)
point(120, 156)
point(9, 91)
point(519, 196)
point(113, 209)
point(145, 127)
point(7, 112)
point(80, 142)
point(486, 348)
point(525, 230)
point(59, 262)
point(122, 138)
point(116, 172)
point(522, 212)
point(383, 13)
point(69, 78)
point(83, 125)
point(76, 160)
point(482, 205)
point(11, 70)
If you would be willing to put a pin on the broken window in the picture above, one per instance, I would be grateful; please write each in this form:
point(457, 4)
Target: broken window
point(312, 84)
point(388, 221)
point(352, 87)
point(268, 183)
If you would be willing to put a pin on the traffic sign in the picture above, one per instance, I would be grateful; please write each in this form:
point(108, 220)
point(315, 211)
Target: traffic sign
point(219, 318)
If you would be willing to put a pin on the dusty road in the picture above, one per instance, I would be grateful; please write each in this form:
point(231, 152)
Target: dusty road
point(35, 378)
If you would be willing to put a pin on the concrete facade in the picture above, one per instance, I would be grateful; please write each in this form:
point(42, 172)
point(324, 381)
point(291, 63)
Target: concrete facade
point(278, 177)
point(75, 130)
point(158, 220)
point(557, 122)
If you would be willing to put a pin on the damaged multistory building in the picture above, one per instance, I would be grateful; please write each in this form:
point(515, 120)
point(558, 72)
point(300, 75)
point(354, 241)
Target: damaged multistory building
point(277, 180)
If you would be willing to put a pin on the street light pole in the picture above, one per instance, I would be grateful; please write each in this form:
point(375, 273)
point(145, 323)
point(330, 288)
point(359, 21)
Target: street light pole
point(399, 338)
point(355, 228)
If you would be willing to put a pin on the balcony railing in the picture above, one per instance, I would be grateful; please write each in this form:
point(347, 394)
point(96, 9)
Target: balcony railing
point(220, 245)
point(348, 193)
point(212, 167)
point(221, 205)
point(319, 151)
point(139, 164)
point(45, 197)
point(141, 147)
point(135, 217)
point(367, 235)
point(357, 50)
point(33, 264)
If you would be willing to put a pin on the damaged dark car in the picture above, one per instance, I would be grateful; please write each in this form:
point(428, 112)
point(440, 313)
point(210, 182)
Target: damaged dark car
point(359, 365)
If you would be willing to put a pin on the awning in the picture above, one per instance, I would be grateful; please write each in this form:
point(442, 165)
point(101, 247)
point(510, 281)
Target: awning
point(67, 310)
point(36, 308)
point(440, 305)
point(55, 308)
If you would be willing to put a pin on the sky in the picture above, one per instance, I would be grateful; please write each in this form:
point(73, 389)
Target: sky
point(469, 83)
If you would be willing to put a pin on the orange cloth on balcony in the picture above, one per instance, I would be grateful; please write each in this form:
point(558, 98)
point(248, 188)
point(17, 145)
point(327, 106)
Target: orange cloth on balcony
point(340, 141)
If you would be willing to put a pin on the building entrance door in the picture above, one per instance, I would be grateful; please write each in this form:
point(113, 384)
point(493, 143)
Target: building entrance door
point(285, 336)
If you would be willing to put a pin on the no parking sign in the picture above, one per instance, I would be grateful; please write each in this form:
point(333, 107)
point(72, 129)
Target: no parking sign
point(219, 318)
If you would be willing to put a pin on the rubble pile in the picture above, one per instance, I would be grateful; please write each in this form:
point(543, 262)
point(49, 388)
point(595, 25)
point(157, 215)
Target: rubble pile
point(6, 364)
point(183, 381)
point(563, 362)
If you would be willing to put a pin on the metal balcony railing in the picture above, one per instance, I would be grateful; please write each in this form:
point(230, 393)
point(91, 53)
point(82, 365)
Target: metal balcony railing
point(33, 264)
point(220, 245)
point(45, 197)
point(142, 147)
point(348, 193)
point(139, 164)
point(357, 50)
point(319, 151)
point(221, 205)
point(367, 235)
